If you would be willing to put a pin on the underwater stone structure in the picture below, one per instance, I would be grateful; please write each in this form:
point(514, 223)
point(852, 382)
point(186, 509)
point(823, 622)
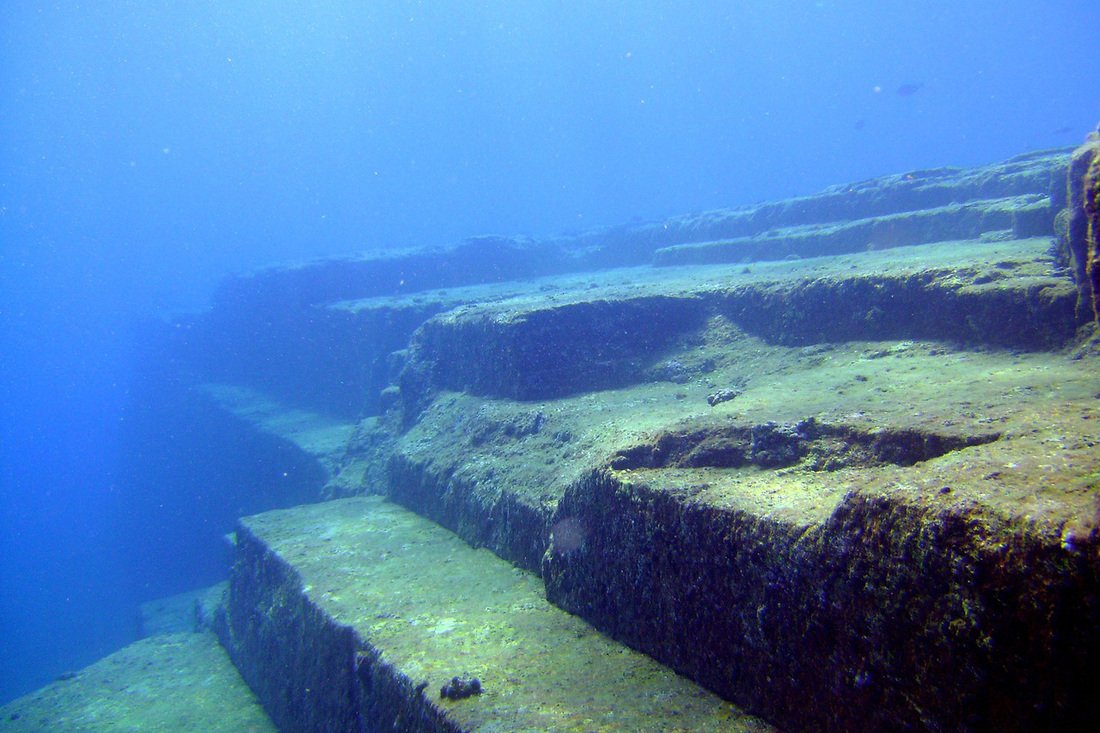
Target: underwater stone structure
point(871, 533)
point(820, 464)
point(1084, 207)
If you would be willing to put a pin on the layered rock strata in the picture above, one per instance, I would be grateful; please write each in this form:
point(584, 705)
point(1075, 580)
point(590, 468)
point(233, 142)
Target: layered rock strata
point(843, 474)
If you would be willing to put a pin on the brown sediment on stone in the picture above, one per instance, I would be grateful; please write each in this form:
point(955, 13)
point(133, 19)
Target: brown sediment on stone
point(815, 534)
point(1081, 233)
point(1092, 234)
point(355, 614)
point(494, 470)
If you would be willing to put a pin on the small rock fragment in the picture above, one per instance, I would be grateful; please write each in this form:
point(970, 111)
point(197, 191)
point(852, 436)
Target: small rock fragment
point(722, 395)
point(459, 688)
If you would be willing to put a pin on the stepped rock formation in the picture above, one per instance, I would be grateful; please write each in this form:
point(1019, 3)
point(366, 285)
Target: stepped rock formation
point(820, 464)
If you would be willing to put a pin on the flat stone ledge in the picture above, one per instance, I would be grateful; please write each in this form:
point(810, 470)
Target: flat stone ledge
point(1017, 217)
point(353, 615)
point(587, 336)
point(165, 683)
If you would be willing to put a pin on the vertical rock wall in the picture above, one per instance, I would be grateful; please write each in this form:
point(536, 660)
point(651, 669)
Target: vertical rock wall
point(1083, 230)
point(1092, 213)
point(889, 616)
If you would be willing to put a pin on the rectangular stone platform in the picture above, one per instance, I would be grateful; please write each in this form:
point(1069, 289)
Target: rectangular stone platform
point(168, 683)
point(573, 335)
point(354, 614)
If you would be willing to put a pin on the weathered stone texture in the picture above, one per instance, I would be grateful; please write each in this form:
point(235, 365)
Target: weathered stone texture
point(890, 615)
point(351, 615)
point(1092, 234)
point(483, 512)
point(165, 682)
point(963, 307)
point(835, 480)
point(549, 350)
point(1082, 227)
point(1018, 217)
point(299, 662)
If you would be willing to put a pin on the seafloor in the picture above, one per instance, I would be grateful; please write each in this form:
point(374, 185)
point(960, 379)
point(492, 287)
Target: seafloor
point(821, 464)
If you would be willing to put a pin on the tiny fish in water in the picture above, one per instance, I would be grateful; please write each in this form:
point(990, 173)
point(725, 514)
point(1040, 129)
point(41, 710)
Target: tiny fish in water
point(908, 90)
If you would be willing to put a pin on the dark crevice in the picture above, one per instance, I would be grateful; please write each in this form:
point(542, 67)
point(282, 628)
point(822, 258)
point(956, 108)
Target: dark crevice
point(817, 446)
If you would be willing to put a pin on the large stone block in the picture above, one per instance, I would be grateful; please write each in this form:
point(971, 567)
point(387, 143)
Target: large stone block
point(357, 615)
point(889, 614)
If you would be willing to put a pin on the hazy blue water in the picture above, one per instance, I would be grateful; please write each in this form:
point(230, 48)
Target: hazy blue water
point(148, 147)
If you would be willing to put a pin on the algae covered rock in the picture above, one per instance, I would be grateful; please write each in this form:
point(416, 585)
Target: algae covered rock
point(168, 682)
point(1092, 215)
point(1083, 226)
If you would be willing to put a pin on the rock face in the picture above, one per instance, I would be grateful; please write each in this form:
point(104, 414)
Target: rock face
point(832, 459)
point(322, 334)
point(1082, 232)
point(359, 615)
point(1091, 205)
point(890, 614)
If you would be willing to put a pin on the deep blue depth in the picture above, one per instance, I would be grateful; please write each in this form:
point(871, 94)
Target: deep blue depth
point(148, 148)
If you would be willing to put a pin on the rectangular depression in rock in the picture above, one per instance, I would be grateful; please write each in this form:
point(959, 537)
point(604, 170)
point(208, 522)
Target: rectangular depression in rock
point(354, 614)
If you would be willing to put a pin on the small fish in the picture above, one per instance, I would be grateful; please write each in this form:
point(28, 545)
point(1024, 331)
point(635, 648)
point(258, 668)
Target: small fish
point(908, 90)
point(1063, 130)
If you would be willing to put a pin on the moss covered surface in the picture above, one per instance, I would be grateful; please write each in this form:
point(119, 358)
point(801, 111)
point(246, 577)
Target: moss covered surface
point(164, 684)
point(425, 607)
point(892, 614)
point(576, 335)
point(994, 425)
point(1092, 234)
point(857, 490)
point(864, 535)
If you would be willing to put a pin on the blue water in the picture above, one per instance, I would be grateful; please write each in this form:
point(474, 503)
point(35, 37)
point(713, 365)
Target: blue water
point(148, 148)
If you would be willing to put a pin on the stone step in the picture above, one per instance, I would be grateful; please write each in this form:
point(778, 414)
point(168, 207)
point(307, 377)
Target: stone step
point(1017, 217)
point(265, 326)
point(853, 492)
point(550, 343)
point(322, 436)
point(806, 539)
point(357, 614)
point(814, 512)
point(389, 272)
point(167, 682)
point(1040, 174)
point(902, 534)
